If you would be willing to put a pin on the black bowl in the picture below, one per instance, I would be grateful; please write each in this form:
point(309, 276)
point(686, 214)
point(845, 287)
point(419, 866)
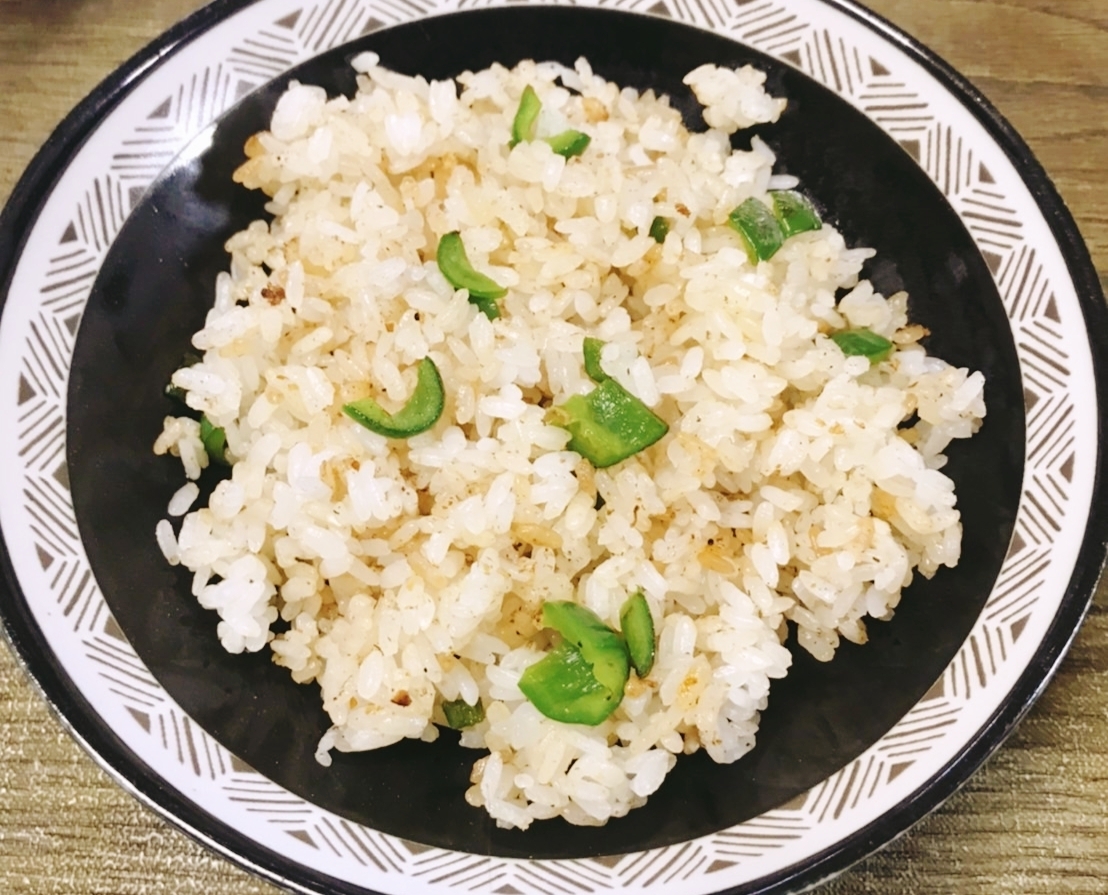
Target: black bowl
point(157, 283)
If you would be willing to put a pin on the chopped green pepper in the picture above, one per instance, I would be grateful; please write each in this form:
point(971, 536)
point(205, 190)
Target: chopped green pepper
point(609, 424)
point(592, 349)
point(863, 343)
point(460, 714)
point(455, 266)
point(563, 687)
point(527, 117)
point(581, 681)
point(638, 630)
point(422, 411)
point(759, 230)
point(214, 439)
point(569, 143)
point(794, 212)
point(659, 229)
point(601, 647)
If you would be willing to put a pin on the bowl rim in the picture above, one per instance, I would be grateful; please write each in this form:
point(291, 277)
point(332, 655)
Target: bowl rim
point(82, 721)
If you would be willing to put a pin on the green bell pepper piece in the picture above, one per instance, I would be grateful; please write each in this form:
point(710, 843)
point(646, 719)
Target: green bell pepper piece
point(460, 714)
point(600, 646)
point(592, 349)
point(419, 414)
point(526, 118)
point(637, 625)
point(569, 143)
point(863, 343)
point(580, 681)
point(459, 273)
point(659, 229)
point(794, 212)
point(758, 229)
point(563, 687)
point(608, 425)
point(214, 439)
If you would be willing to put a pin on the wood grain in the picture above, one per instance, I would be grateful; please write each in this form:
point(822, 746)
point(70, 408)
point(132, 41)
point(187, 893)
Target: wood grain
point(1034, 821)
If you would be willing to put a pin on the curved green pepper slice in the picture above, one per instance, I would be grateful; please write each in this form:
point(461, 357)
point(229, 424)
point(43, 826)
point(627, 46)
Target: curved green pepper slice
point(454, 265)
point(419, 414)
point(637, 625)
point(526, 118)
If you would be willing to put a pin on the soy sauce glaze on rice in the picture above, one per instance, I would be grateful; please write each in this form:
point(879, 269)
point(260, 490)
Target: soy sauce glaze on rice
point(412, 568)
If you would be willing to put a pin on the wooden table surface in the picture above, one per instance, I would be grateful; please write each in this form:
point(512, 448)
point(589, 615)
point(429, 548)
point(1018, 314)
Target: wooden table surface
point(1034, 820)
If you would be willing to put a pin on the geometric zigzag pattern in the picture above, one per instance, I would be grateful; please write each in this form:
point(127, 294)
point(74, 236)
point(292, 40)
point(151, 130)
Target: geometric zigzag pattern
point(778, 28)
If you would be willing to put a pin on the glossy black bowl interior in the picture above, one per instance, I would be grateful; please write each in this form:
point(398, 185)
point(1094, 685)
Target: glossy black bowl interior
point(157, 284)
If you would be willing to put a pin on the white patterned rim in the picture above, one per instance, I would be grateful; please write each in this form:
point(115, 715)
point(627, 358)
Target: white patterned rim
point(242, 49)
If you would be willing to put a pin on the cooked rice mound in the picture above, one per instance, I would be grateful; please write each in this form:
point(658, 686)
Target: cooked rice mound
point(409, 572)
